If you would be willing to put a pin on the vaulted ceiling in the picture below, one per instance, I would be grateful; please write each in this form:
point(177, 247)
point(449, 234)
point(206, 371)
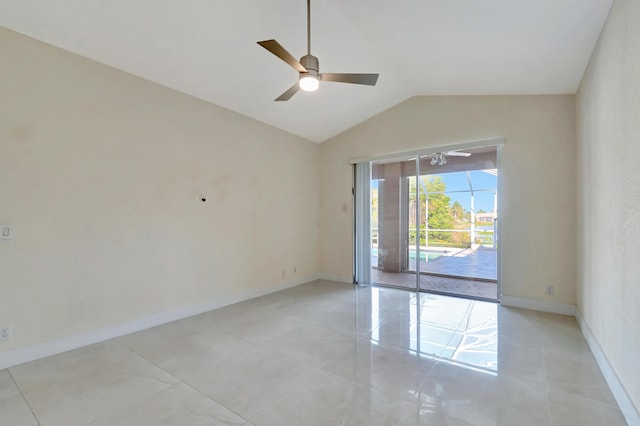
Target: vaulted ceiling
point(207, 48)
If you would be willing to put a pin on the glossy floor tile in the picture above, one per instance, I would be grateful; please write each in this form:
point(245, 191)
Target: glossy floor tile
point(14, 411)
point(325, 353)
point(177, 405)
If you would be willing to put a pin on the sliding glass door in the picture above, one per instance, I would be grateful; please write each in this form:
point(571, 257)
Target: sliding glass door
point(433, 221)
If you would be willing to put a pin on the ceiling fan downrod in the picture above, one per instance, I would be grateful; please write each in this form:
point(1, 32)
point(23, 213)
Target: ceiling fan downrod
point(308, 27)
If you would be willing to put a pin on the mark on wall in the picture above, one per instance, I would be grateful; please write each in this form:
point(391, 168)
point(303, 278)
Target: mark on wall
point(220, 186)
point(22, 132)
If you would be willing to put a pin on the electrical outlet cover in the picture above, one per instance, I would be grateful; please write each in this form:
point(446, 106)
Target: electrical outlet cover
point(5, 333)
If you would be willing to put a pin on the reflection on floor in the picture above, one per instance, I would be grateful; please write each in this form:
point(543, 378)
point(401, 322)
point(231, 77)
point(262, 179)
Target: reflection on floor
point(460, 331)
point(450, 285)
point(325, 353)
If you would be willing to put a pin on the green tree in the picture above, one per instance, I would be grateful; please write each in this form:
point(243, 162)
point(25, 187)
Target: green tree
point(440, 215)
point(458, 212)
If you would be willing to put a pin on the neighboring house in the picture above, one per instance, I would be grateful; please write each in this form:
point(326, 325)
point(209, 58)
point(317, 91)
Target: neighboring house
point(485, 217)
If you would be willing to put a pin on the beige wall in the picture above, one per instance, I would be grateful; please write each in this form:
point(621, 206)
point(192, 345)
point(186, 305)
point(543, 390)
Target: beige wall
point(101, 174)
point(609, 194)
point(538, 204)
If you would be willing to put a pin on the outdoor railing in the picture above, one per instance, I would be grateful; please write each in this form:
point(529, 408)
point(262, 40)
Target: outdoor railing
point(446, 237)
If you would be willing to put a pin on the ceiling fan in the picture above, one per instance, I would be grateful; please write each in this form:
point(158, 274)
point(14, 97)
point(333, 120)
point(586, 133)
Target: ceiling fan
point(440, 158)
point(308, 67)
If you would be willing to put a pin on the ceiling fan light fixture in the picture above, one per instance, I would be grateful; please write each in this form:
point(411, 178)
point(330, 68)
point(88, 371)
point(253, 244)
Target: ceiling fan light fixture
point(439, 159)
point(309, 82)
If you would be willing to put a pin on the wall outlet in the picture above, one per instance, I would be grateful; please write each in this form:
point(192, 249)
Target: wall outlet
point(6, 232)
point(295, 270)
point(284, 273)
point(5, 333)
point(549, 290)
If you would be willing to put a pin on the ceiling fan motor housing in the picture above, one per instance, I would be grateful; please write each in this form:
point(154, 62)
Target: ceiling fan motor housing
point(311, 64)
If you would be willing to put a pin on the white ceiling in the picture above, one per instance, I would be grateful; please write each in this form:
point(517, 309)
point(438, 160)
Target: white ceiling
point(207, 48)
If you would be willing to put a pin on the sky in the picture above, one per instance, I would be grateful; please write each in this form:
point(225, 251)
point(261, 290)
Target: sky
point(458, 181)
point(480, 180)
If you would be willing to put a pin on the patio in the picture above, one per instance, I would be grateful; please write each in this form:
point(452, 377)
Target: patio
point(467, 272)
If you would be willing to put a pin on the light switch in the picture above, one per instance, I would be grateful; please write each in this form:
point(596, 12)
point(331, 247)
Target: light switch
point(7, 232)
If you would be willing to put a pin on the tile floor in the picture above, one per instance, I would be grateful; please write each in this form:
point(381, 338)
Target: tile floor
point(325, 354)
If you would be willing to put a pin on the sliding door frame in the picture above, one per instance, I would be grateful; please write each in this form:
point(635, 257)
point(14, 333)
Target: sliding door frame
point(498, 142)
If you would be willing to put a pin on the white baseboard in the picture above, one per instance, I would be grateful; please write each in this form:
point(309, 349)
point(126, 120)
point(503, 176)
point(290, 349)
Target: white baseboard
point(629, 411)
point(30, 353)
point(538, 305)
point(336, 278)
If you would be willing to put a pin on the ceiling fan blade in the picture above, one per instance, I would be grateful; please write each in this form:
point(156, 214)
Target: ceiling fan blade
point(275, 48)
point(289, 93)
point(368, 79)
point(458, 154)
